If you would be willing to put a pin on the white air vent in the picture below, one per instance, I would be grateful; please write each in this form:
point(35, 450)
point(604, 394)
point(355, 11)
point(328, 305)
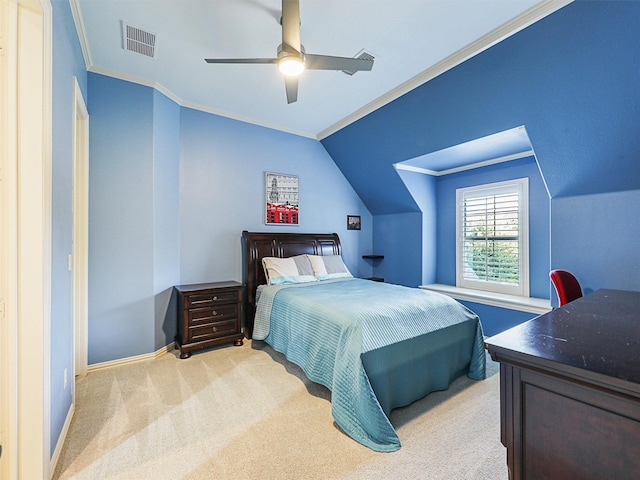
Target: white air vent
point(138, 41)
point(362, 55)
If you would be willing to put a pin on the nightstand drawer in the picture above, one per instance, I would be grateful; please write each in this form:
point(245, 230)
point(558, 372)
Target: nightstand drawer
point(215, 313)
point(211, 298)
point(212, 330)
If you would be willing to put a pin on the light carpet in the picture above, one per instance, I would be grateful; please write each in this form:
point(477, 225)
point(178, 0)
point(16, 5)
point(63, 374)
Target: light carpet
point(247, 413)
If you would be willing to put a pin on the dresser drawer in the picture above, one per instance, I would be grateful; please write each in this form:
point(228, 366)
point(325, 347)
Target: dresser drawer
point(211, 314)
point(212, 330)
point(211, 298)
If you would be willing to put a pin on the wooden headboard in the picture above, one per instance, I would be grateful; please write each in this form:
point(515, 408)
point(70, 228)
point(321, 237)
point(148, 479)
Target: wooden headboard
point(256, 245)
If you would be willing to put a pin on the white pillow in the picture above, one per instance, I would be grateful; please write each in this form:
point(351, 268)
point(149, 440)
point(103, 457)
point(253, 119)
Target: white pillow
point(279, 271)
point(326, 267)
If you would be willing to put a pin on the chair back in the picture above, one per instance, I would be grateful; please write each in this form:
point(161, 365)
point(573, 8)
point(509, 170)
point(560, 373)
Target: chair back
point(566, 285)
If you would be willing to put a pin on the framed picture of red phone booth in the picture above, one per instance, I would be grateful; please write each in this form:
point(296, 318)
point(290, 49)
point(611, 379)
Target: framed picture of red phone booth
point(282, 193)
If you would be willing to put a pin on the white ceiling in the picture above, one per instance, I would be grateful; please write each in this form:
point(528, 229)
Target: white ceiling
point(411, 40)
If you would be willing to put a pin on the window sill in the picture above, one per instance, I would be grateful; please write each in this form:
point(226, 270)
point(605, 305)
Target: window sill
point(513, 302)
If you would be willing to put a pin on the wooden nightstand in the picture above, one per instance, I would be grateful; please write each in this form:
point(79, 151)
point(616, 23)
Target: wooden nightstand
point(209, 314)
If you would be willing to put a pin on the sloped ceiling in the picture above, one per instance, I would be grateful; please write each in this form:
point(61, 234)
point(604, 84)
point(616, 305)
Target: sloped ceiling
point(570, 79)
point(497, 148)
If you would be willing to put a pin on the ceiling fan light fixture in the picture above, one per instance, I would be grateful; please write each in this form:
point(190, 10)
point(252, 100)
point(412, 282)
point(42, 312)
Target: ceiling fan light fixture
point(292, 59)
point(291, 65)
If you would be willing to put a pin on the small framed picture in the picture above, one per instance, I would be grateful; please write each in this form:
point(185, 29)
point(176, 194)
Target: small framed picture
point(353, 222)
point(281, 199)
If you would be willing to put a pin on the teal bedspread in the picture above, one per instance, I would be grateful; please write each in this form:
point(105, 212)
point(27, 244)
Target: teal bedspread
point(375, 345)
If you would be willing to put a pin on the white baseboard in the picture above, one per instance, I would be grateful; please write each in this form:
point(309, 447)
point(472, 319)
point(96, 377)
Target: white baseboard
point(63, 435)
point(137, 358)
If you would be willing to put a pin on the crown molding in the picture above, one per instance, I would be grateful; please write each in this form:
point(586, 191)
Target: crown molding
point(252, 121)
point(86, 54)
point(495, 36)
point(82, 37)
point(194, 106)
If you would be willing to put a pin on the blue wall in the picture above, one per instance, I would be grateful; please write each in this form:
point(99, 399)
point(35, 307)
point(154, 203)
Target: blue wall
point(571, 79)
point(495, 319)
point(166, 216)
point(67, 64)
point(423, 190)
point(171, 191)
point(538, 219)
point(121, 221)
point(442, 262)
point(222, 193)
point(402, 263)
point(596, 238)
point(134, 224)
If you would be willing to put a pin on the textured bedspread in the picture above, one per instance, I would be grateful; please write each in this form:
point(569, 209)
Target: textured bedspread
point(328, 327)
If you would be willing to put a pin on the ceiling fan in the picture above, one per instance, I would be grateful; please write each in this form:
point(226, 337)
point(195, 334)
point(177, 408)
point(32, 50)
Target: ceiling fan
point(292, 60)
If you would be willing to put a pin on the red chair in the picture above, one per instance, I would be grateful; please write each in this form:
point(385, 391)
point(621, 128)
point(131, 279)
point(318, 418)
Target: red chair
point(566, 285)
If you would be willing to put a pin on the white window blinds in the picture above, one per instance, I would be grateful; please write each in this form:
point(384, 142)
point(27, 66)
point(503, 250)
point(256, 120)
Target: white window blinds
point(492, 229)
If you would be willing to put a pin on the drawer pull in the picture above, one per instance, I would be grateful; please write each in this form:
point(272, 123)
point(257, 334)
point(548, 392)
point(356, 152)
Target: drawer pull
point(214, 299)
point(214, 329)
point(214, 313)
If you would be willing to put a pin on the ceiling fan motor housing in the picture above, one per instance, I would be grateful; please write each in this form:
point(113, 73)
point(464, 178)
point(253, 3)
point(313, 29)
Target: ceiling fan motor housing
point(290, 61)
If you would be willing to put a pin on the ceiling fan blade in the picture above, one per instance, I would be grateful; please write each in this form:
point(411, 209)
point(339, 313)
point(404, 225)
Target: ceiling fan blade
point(291, 84)
point(325, 62)
point(291, 23)
point(241, 60)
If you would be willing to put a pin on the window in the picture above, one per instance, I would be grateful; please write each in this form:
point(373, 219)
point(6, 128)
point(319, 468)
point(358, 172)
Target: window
point(492, 236)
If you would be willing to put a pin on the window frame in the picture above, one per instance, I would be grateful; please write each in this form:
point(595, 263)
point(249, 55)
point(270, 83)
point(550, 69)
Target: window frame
point(521, 187)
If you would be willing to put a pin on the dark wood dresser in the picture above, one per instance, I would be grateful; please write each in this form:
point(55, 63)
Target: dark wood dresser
point(570, 390)
point(209, 314)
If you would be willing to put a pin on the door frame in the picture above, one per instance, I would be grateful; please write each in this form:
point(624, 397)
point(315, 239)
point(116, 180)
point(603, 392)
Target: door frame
point(80, 251)
point(26, 161)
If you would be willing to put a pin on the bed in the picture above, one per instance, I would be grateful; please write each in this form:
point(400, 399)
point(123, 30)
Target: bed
point(376, 346)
